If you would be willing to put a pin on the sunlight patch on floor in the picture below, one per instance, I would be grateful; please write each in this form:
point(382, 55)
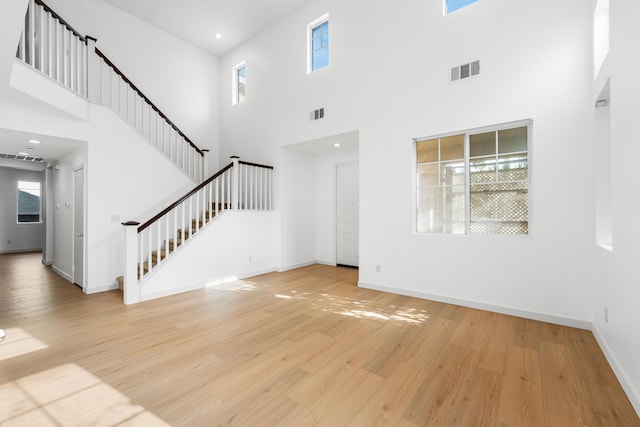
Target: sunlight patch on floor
point(53, 397)
point(361, 309)
point(232, 285)
point(18, 342)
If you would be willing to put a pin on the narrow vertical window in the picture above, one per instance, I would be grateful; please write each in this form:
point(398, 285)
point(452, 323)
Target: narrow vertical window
point(453, 5)
point(239, 83)
point(29, 206)
point(318, 44)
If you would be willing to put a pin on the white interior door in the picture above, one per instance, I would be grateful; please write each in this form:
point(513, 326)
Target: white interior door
point(78, 227)
point(347, 214)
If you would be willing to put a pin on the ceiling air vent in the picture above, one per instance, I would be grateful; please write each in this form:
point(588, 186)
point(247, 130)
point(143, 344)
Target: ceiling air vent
point(464, 71)
point(19, 157)
point(317, 114)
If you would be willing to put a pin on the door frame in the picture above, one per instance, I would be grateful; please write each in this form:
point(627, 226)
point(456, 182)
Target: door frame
point(80, 167)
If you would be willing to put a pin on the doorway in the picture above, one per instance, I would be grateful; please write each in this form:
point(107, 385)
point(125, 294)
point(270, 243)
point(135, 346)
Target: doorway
point(78, 226)
point(347, 214)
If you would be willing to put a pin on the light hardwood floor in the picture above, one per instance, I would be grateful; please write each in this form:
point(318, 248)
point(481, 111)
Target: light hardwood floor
point(301, 348)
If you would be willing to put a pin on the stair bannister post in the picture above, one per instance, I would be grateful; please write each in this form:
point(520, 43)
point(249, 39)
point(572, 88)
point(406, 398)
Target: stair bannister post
point(131, 289)
point(235, 182)
point(204, 171)
point(93, 72)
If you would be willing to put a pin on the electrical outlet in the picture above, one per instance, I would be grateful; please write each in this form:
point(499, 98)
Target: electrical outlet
point(377, 268)
point(606, 314)
point(9, 242)
point(115, 218)
point(250, 258)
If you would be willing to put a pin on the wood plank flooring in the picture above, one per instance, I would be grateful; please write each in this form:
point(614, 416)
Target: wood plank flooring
point(302, 348)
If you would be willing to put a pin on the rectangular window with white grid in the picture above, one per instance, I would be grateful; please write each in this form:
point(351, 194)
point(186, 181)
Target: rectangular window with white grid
point(474, 182)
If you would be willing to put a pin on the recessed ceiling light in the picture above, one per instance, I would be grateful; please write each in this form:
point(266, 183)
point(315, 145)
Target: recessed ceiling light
point(33, 141)
point(23, 154)
point(337, 144)
point(218, 35)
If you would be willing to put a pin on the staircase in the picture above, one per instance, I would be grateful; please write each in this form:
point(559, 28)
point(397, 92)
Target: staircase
point(240, 186)
point(52, 46)
point(170, 245)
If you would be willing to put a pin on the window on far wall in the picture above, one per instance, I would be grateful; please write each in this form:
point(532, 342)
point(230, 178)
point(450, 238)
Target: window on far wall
point(29, 206)
point(318, 44)
point(474, 182)
point(453, 5)
point(239, 83)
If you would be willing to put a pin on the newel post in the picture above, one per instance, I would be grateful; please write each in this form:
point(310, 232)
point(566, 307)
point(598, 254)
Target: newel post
point(93, 71)
point(131, 289)
point(235, 182)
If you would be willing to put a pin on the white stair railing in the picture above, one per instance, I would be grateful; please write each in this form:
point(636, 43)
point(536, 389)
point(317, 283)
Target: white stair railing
point(52, 46)
point(116, 91)
point(239, 186)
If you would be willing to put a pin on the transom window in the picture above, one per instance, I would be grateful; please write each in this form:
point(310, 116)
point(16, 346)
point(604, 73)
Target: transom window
point(474, 182)
point(453, 5)
point(239, 83)
point(318, 44)
point(29, 206)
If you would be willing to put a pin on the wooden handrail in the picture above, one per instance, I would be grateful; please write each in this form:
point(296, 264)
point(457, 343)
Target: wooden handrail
point(147, 100)
point(183, 198)
point(255, 165)
point(62, 21)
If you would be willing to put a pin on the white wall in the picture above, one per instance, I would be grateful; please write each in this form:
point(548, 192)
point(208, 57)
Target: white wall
point(617, 288)
point(11, 22)
point(296, 210)
point(235, 245)
point(125, 177)
point(16, 237)
point(128, 179)
point(179, 78)
point(392, 86)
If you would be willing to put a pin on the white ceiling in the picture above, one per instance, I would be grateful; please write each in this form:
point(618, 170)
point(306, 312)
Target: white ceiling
point(347, 141)
point(50, 148)
point(197, 21)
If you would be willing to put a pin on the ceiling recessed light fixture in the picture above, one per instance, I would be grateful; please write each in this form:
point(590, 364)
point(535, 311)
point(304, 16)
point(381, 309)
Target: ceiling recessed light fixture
point(218, 35)
point(33, 141)
point(23, 154)
point(337, 144)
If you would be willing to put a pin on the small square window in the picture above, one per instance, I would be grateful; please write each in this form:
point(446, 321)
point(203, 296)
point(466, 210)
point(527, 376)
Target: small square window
point(29, 206)
point(318, 44)
point(239, 83)
point(453, 5)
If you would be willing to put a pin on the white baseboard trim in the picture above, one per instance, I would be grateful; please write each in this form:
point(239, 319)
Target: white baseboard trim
point(329, 263)
point(19, 251)
point(196, 286)
point(62, 273)
point(256, 273)
point(105, 288)
point(293, 267)
point(169, 292)
point(632, 393)
point(559, 320)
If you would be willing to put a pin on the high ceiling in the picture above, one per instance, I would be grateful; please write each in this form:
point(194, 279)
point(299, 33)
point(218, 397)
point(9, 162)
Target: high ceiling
point(198, 21)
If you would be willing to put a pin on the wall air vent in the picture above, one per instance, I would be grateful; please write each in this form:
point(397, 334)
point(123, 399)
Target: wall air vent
point(464, 71)
point(317, 114)
point(20, 157)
